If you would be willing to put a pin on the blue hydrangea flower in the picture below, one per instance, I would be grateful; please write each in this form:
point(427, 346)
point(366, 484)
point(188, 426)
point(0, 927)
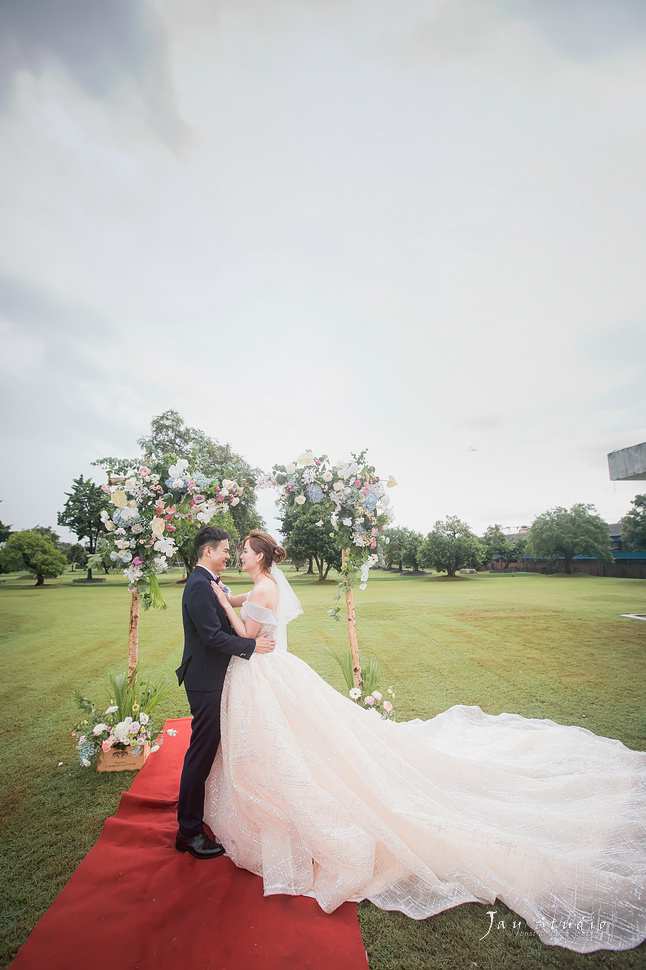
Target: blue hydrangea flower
point(369, 502)
point(201, 480)
point(314, 493)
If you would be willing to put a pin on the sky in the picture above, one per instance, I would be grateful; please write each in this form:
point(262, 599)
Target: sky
point(413, 227)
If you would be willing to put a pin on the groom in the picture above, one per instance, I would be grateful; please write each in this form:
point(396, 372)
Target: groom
point(209, 643)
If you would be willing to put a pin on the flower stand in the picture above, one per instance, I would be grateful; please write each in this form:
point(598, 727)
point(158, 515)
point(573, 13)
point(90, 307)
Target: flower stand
point(118, 759)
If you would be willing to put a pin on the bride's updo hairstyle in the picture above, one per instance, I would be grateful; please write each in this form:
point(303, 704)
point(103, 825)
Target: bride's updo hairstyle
point(260, 542)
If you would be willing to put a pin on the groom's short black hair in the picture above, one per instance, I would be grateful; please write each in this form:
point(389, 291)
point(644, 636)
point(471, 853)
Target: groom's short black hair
point(208, 535)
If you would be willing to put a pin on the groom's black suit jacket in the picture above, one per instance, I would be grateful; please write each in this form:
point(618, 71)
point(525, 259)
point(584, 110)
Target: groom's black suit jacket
point(209, 640)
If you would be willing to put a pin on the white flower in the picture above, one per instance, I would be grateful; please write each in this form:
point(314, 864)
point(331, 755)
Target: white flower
point(172, 732)
point(226, 484)
point(112, 709)
point(363, 585)
point(347, 521)
point(143, 718)
point(377, 696)
point(327, 476)
point(338, 486)
point(319, 523)
point(234, 501)
point(99, 728)
point(85, 762)
point(167, 546)
point(334, 519)
point(154, 748)
point(307, 458)
point(177, 483)
point(82, 739)
point(351, 469)
point(290, 469)
point(134, 727)
point(178, 469)
point(300, 500)
point(119, 499)
point(355, 693)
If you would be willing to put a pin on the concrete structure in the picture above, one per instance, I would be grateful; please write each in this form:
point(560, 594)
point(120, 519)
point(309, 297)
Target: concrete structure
point(628, 464)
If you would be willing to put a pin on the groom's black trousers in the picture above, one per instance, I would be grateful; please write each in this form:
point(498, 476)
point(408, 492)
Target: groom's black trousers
point(205, 738)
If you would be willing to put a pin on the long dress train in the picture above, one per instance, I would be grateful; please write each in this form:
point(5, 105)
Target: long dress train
point(322, 797)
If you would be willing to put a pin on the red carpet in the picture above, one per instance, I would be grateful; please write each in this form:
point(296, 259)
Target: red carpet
point(135, 903)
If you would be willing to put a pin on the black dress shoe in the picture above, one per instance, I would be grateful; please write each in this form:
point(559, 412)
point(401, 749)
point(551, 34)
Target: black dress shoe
point(200, 846)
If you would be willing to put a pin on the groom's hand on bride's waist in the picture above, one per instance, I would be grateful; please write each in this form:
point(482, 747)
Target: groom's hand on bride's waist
point(264, 643)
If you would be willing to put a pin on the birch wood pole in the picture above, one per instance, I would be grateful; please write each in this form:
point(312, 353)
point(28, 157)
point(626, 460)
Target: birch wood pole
point(133, 635)
point(352, 633)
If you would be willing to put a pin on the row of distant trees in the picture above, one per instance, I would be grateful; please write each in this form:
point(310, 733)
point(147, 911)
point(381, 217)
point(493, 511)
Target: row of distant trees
point(556, 534)
point(307, 530)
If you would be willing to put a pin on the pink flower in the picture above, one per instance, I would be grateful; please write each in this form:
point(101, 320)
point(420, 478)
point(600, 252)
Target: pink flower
point(220, 497)
point(357, 484)
point(137, 561)
point(365, 489)
point(388, 706)
point(168, 517)
point(144, 471)
point(105, 746)
point(316, 461)
point(104, 488)
point(369, 701)
point(171, 528)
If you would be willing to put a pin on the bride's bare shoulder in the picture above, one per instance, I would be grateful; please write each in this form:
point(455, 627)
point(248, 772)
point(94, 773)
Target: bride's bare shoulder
point(265, 593)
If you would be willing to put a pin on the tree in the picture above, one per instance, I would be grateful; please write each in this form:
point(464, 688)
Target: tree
point(394, 547)
point(170, 438)
point(48, 533)
point(451, 546)
point(633, 525)
point(75, 553)
point(412, 550)
point(169, 435)
point(402, 549)
point(82, 513)
point(310, 537)
point(498, 545)
point(562, 534)
point(5, 532)
point(32, 551)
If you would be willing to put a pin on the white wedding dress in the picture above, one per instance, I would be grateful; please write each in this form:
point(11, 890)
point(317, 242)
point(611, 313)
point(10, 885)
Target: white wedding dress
point(324, 798)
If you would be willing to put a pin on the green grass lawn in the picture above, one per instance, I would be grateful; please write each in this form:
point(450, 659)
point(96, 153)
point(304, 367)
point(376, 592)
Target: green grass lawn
point(541, 646)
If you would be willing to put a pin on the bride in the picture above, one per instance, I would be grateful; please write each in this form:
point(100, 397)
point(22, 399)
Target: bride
point(323, 798)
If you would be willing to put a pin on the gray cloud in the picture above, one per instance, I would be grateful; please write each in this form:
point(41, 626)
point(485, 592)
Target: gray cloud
point(98, 44)
point(584, 29)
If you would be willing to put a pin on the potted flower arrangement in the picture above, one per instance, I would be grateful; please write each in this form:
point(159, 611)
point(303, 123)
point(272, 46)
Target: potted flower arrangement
point(121, 735)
